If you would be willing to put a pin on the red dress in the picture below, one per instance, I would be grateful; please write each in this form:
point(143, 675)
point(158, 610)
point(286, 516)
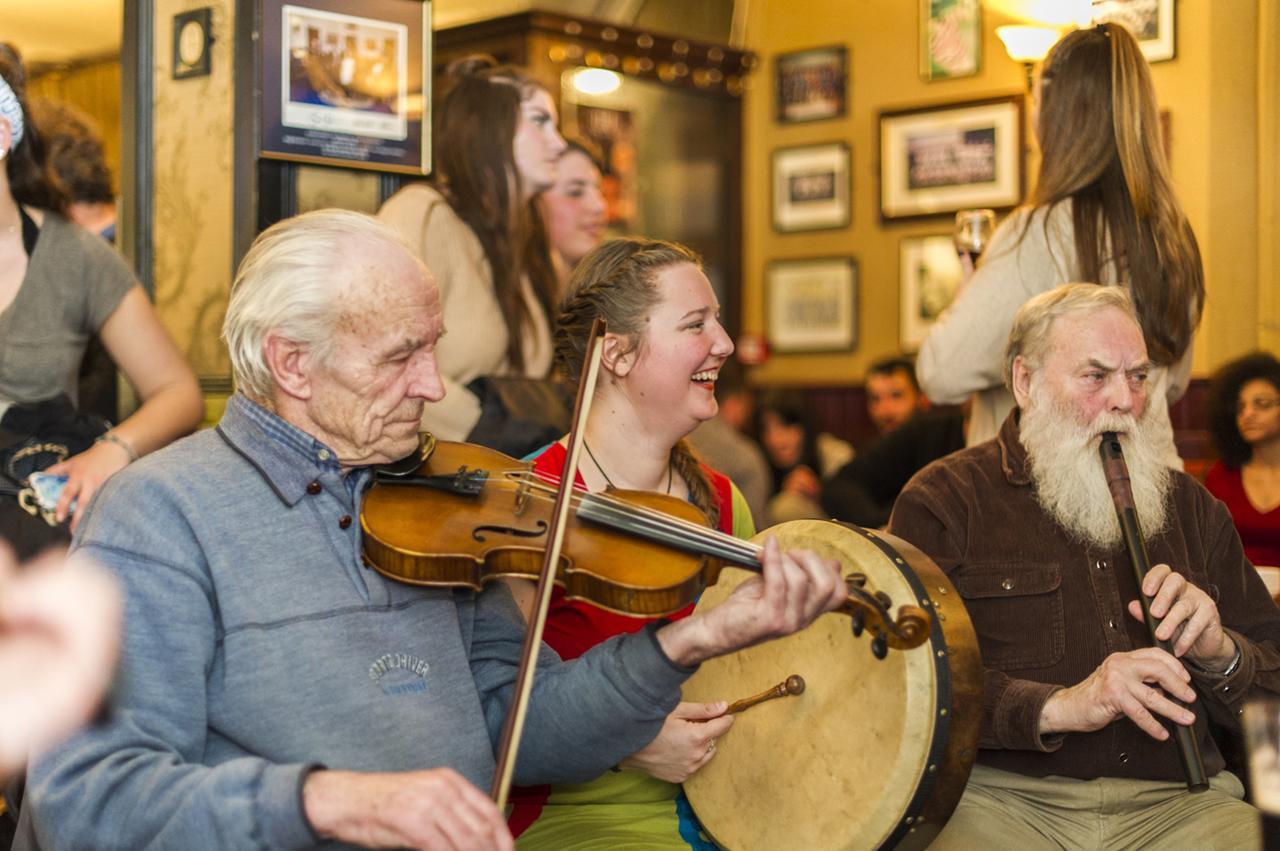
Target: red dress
point(575, 627)
point(1259, 531)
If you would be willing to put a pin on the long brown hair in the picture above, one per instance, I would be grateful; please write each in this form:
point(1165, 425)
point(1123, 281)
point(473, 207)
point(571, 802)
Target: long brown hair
point(26, 165)
point(476, 172)
point(1101, 143)
point(619, 281)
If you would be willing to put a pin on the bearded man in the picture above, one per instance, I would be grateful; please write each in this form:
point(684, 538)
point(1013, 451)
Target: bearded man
point(1073, 747)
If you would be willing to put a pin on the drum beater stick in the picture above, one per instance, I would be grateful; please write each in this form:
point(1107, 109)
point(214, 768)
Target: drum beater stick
point(792, 685)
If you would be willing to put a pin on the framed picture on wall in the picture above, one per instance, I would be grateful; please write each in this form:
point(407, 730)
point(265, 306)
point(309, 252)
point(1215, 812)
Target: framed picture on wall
point(1150, 21)
point(812, 84)
point(929, 274)
point(812, 305)
point(347, 83)
point(939, 159)
point(811, 187)
point(950, 38)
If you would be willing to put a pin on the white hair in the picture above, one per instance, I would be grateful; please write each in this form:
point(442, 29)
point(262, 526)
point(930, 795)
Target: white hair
point(1029, 336)
point(293, 281)
point(1065, 466)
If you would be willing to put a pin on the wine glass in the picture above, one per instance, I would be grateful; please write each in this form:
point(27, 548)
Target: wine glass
point(973, 231)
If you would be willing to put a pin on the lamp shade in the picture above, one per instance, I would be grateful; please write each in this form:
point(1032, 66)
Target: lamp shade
point(1027, 43)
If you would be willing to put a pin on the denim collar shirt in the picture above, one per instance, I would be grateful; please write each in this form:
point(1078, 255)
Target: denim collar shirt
point(259, 646)
point(1049, 609)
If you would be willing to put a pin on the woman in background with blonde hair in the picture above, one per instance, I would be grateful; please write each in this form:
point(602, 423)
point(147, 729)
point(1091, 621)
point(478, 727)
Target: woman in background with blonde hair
point(1103, 210)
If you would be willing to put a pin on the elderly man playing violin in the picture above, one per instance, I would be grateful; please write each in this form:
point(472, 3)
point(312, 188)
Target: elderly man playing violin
point(275, 692)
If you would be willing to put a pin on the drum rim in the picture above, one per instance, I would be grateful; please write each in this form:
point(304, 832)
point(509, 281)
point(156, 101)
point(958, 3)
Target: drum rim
point(942, 678)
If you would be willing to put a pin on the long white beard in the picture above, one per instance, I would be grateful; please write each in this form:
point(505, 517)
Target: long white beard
point(1067, 470)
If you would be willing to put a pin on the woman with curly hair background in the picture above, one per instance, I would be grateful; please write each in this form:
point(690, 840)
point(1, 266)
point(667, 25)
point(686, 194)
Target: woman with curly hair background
point(1244, 420)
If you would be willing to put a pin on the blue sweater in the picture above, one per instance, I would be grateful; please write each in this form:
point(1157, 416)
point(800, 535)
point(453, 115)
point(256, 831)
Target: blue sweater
point(258, 646)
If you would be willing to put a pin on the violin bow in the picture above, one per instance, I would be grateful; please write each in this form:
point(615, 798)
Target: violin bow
point(513, 728)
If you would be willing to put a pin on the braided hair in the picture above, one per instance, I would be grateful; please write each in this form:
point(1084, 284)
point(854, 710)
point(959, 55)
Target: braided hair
point(618, 281)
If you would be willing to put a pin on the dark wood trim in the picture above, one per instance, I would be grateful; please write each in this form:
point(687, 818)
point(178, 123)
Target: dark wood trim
point(137, 150)
point(676, 61)
point(277, 192)
point(390, 184)
point(245, 94)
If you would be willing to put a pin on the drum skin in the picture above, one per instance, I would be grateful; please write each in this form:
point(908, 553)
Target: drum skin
point(874, 753)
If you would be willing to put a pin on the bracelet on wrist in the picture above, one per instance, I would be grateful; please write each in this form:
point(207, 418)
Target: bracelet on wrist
point(112, 437)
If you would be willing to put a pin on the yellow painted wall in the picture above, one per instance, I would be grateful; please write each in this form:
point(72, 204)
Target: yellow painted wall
point(193, 183)
point(1210, 89)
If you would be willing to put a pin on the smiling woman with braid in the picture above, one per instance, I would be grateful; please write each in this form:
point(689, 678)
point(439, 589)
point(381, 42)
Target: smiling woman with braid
point(661, 357)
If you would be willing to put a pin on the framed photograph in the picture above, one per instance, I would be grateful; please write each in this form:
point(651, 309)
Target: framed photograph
point(347, 83)
point(811, 187)
point(1150, 21)
point(812, 84)
point(950, 38)
point(929, 273)
point(812, 305)
point(949, 157)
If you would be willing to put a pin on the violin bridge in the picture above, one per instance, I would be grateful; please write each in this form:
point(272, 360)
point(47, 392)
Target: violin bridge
point(522, 497)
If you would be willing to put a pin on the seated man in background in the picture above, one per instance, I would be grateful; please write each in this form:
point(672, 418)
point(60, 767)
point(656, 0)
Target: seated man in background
point(278, 693)
point(1073, 747)
point(864, 490)
point(723, 441)
point(893, 395)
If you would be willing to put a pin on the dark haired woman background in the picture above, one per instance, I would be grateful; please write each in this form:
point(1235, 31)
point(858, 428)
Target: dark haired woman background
point(1244, 420)
point(1103, 211)
point(60, 284)
point(477, 229)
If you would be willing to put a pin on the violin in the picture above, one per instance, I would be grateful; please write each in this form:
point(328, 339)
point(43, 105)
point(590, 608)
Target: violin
point(459, 515)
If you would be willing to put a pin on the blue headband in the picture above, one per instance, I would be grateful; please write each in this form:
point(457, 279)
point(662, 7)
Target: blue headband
point(12, 110)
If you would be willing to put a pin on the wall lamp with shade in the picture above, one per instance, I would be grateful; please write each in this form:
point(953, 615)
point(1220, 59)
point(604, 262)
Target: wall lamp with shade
point(1028, 45)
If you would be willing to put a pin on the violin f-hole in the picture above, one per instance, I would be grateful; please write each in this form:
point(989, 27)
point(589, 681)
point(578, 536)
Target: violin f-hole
point(540, 529)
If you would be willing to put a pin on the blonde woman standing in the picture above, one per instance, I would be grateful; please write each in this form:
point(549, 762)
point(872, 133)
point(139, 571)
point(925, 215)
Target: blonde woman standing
point(1103, 210)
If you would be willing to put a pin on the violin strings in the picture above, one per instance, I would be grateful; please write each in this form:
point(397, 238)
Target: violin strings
point(654, 524)
point(657, 525)
point(650, 520)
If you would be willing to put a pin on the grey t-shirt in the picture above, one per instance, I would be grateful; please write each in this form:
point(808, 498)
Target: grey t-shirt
point(74, 281)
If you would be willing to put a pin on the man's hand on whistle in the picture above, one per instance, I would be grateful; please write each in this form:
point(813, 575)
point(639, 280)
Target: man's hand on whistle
point(1190, 619)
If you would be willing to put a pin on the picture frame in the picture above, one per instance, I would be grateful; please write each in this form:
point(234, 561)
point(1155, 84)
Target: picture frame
point(192, 38)
point(346, 83)
point(811, 305)
point(950, 39)
point(947, 157)
point(929, 275)
point(1152, 23)
point(811, 85)
point(812, 185)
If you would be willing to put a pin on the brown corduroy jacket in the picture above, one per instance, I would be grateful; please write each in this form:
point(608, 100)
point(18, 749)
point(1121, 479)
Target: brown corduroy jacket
point(1048, 609)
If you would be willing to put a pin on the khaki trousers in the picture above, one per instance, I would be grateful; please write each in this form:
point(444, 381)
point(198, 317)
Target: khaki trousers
point(1000, 810)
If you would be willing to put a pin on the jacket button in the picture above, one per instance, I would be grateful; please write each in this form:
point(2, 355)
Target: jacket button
point(1124, 757)
point(344, 521)
point(1111, 624)
point(313, 488)
point(1007, 585)
point(1101, 564)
